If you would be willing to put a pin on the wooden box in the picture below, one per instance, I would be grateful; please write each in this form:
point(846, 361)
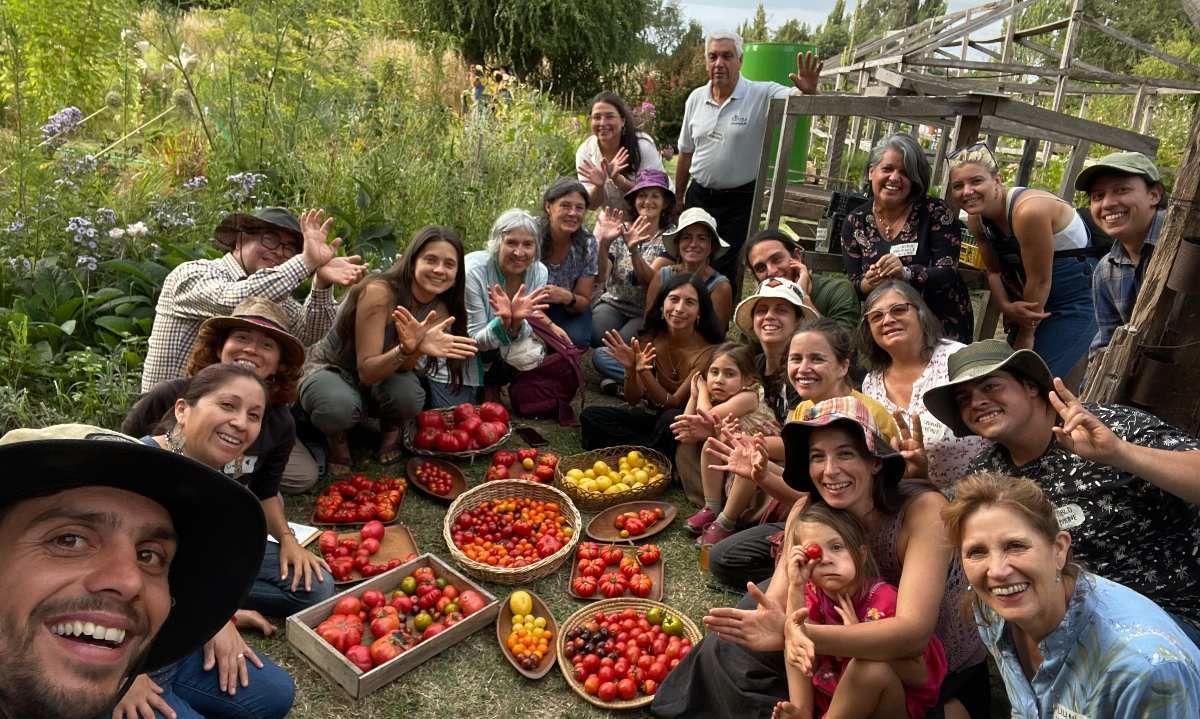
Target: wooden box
point(301, 632)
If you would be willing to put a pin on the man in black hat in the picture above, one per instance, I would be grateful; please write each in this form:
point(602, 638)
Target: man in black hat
point(110, 567)
point(1126, 484)
point(268, 253)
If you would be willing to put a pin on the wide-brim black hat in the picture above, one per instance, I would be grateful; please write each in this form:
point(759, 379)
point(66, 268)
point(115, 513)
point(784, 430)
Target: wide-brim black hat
point(219, 524)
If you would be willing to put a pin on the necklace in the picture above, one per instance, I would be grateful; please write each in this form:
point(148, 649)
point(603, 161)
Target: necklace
point(887, 228)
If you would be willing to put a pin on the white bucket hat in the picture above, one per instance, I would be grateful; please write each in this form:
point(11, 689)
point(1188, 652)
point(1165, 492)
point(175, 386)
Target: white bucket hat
point(689, 217)
point(772, 288)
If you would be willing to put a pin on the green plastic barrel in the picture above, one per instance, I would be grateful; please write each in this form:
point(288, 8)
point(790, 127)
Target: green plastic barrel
point(774, 61)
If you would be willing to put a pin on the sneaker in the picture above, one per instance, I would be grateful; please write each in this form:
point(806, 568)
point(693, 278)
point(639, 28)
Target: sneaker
point(698, 521)
point(714, 533)
point(611, 387)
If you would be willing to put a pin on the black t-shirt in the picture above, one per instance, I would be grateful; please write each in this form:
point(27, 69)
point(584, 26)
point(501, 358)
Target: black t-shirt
point(263, 463)
point(1122, 527)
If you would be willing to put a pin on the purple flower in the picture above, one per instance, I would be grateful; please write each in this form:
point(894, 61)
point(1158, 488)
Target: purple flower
point(61, 124)
point(20, 263)
point(86, 261)
point(244, 184)
point(195, 183)
point(82, 229)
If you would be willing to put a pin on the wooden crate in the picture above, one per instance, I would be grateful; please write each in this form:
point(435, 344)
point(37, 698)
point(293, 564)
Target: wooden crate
point(301, 632)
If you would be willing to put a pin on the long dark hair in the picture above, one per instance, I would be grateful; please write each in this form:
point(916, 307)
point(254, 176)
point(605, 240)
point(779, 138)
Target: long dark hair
point(399, 279)
point(629, 131)
point(707, 324)
point(876, 357)
point(205, 382)
point(206, 351)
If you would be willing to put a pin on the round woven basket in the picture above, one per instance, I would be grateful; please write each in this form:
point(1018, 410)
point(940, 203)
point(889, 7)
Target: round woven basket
point(595, 501)
point(410, 432)
point(505, 489)
point(583, 616)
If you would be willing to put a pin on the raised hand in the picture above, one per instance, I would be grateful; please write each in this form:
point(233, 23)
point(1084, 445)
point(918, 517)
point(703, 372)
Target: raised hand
point(799, 650)
point(608, 224)
point(525, 305)
point(409, 331)
point(344, 271)
point(744, 457)
point(438, 342)
point(1082, 432)
point(808, 73)
point(317, 249)
point(500, 303)
point(760, 628)
point(593, 174)
point(799, 567)
point(620, 162)
point(640, 231)
point(695, 428)
point(911, 445)
point(620, 351)
point(643, 356)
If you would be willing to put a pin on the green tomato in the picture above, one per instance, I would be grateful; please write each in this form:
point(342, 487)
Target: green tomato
point(422, 620)
point(654, 615)
point(408, 585)
point(672, 625)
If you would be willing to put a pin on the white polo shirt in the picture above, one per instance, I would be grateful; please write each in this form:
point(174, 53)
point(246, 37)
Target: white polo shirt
point(726, 139)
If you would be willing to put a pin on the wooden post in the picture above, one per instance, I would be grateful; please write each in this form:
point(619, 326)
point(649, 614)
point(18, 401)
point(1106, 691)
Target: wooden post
point(1139, 101)
point(1064, 62)
point(780, 180)
point(1009, 31)
point(836, 147)
point(775, 115)
point(1028, 157)
point(939, 157)
point(1066, 189)
point(1148, 114)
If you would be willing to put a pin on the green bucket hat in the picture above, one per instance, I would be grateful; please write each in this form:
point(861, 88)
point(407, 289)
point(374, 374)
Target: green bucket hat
point(1124, 163)
point(973, 362)
point(279, 219)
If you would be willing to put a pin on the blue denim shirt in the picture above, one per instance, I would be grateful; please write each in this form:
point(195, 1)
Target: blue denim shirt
point(1114, 655)
point(1116, 282)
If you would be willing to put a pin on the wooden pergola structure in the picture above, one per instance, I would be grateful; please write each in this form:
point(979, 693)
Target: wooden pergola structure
point(908, 81)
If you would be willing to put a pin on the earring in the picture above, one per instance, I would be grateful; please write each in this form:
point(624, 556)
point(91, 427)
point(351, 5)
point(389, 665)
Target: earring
point(970, 588)
point(175, 441)
point(1058, 577)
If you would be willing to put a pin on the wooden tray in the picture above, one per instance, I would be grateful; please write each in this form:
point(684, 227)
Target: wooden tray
point(504, 626)
point(403, 496)
point(584, 615)
point(655, 571)
point(397, 542)
point(458, 480)
point(601, 527)
point(302, 635)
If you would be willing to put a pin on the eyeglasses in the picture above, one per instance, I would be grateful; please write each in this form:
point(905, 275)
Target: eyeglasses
point(966, 152)
point(896, 311)
point(275, 241)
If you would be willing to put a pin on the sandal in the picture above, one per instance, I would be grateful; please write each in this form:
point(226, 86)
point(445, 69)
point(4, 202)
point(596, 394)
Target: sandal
point(390, 449)
point(337, 462)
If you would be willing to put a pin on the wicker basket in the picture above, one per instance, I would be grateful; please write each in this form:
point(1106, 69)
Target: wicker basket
point(410, 432)
point(504, 489)
point(595, 501)
point(583, 616)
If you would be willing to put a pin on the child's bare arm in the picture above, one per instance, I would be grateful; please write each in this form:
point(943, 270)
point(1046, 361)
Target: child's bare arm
point(739, 405)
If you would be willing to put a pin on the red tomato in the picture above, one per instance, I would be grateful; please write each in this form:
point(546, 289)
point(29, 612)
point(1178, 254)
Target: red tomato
point(627, 689)
point(381, 626)
point(489, 433)
point(657, 671)
point(649, 686)
point(463, 437)
point(648, 554)
point(433, 630)
point(431, 419)
point(544, 473)
point(373, 598)
point(348, 606)
point(448, 442)
point(607, 692)
point(388, 647)
point(470, 601)
point(403, 604)
point(590, 663)
point(360, 656)
point(504, 457)
point(548, 459)
point(462, 411)
point(613, 585)
point(328, 542)
point(372, 530)
point(640, 585)
point(371, 546)
point(493, 412)
point(341, 631)
point(584, 585)
point(591, 685)
point(427, 438)
point(469, 424)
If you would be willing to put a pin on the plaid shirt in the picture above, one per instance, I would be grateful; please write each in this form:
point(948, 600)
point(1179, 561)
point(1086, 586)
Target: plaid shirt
point(1116, 282)
point(198, 290)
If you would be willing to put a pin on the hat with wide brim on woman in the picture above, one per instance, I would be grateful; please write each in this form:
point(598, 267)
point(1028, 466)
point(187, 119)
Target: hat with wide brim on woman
point(849, 412)
point(651, 178)
point(691, 216)
point(772, 288)
point(975, 361)
point(260, 313)
point(278, 219)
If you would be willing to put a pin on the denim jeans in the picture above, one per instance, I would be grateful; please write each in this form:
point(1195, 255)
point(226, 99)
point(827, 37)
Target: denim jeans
point(194, 693)
point(606, 365)
point(274, 596)
point(578, 327)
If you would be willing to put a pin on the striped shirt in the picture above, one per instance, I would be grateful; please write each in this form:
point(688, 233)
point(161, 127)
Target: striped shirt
point(195, 291)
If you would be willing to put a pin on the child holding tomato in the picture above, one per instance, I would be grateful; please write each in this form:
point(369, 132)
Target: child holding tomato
point(834, 580)
point(730, 391)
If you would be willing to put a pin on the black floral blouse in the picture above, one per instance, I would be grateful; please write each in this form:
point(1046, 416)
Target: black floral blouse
point(928, 245)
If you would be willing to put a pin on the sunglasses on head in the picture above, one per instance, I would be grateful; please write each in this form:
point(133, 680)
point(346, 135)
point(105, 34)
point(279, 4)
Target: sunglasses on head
point(975, 147)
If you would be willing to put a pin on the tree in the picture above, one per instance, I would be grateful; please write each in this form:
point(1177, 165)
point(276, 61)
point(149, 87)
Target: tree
point(793, 31)
point(756, 31)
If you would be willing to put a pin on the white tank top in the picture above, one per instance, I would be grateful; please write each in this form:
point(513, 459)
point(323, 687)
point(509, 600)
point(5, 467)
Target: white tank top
point(1072, 237)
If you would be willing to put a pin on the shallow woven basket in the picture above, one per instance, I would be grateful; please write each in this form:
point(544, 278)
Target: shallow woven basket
point(595, 501)
point(583, 616)
point(505, 489)
point(410, 432)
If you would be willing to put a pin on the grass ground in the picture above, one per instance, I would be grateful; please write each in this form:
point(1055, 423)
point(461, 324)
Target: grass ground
point(473, 678)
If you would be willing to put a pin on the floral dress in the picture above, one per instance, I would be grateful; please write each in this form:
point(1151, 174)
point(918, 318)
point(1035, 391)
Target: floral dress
point(927, 245)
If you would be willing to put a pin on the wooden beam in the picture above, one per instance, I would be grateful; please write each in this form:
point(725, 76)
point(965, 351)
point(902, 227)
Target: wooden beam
point(1010, 34)
point(836, 145)
point(774, 115)
point(1073, 72)
point(1139, 45)
point(968, 27)
point(1025, 166)
point(986, 51)
point(1147, 115)
point(1008, 128)
point(905, 108)
point(1034, 31)
point(1096, 132)
point(1068, 52)
point(1066, 188)
point(779, 181)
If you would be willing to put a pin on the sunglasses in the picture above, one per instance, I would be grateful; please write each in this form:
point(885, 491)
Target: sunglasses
point(965, 152)
point(896, 311)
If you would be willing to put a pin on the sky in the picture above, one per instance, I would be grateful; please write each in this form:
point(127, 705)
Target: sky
point(728, 14)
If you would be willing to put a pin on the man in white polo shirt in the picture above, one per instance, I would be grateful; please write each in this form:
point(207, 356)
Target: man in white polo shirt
point(719, 145)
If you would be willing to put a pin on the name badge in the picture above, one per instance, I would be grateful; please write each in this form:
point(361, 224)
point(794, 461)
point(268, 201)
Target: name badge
point(739, 120)
point(716, 136)
point(1061, 712)
point(1069, 516)
point(904, 249)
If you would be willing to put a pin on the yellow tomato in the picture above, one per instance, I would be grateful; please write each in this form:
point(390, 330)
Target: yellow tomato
point(588, 485)
point(640, 476)
point(603, 483)
point(520, 602)
point(590, 474)
point(622, 487)
point(614, 489)
point(600, 467)
point(575, 473)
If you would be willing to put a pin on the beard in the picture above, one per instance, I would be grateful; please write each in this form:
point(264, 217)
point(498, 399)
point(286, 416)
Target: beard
point(27, 690)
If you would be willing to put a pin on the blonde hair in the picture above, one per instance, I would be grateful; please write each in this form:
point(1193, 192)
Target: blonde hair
point(981, 156)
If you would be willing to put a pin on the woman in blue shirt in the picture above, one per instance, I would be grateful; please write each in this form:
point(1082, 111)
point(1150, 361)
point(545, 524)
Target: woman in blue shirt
point(1068, 643)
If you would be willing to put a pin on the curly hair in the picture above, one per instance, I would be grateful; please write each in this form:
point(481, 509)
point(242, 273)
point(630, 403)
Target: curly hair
point(282, 387)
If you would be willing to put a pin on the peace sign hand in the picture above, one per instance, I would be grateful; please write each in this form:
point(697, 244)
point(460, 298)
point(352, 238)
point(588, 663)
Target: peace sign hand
point(1082, 432)
point(911, 445)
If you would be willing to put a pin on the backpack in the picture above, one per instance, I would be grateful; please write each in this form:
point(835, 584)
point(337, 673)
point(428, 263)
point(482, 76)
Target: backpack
point(547, 391)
